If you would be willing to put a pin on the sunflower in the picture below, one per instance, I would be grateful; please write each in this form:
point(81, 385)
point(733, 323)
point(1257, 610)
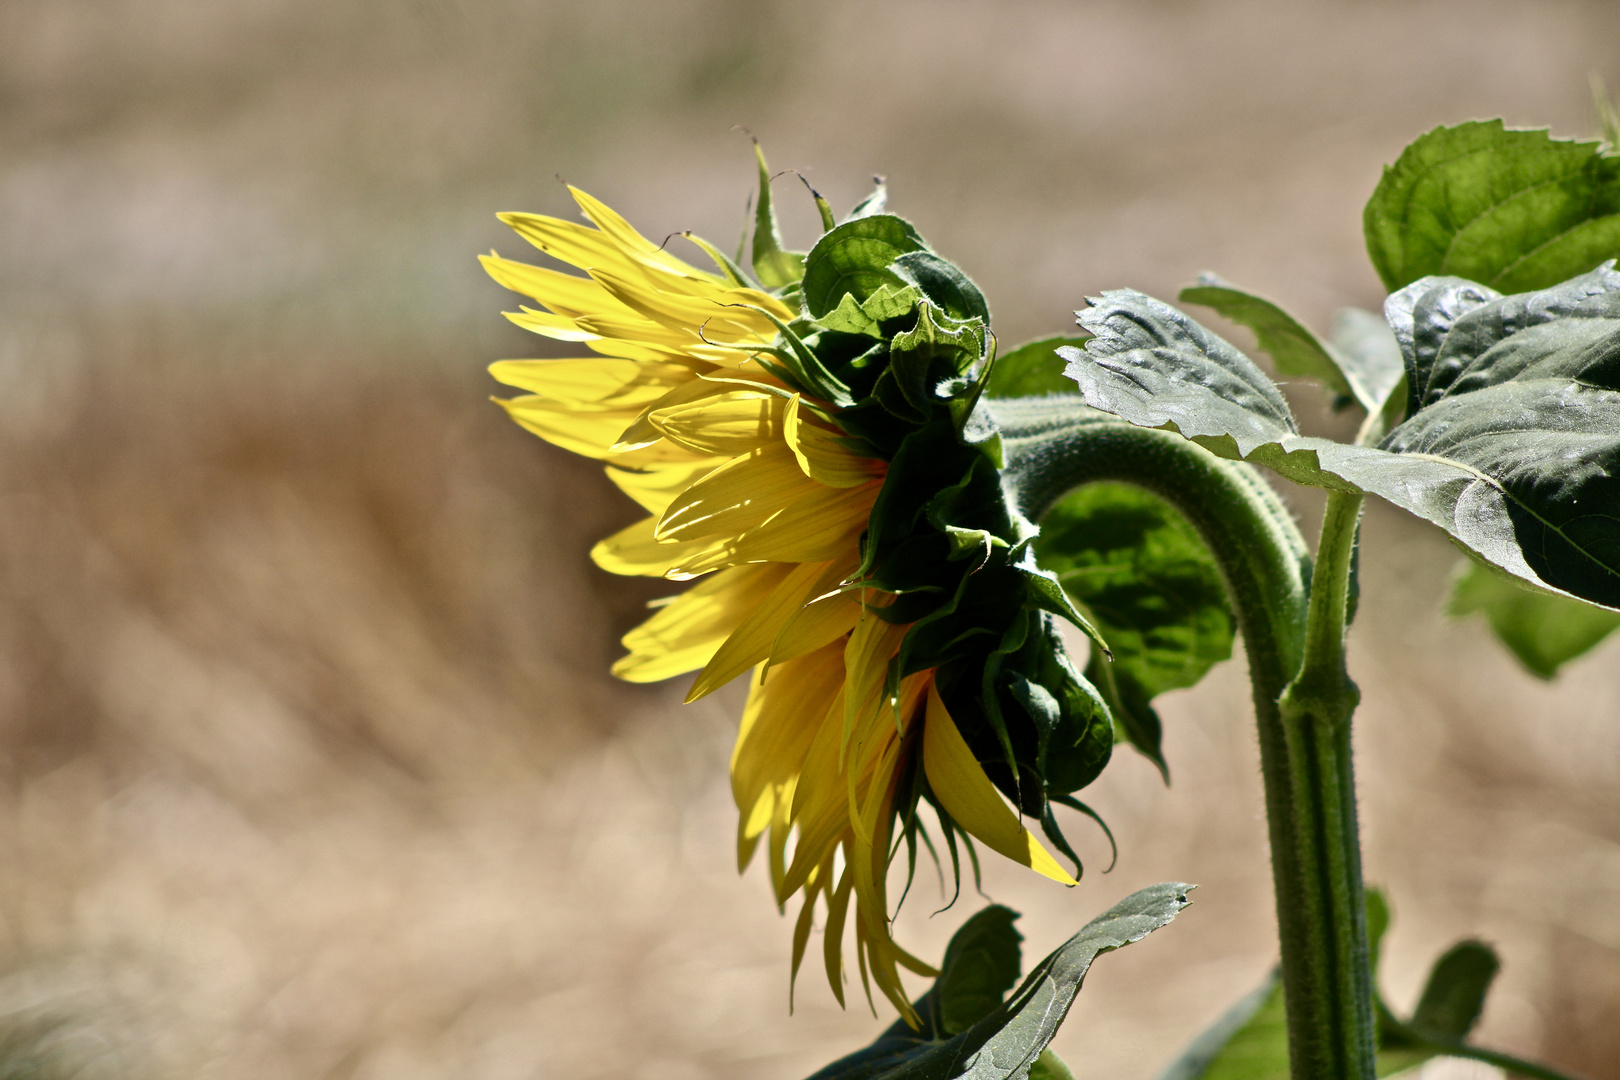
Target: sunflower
point(787, 444)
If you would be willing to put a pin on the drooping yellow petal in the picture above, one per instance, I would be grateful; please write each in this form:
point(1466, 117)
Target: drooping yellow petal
point(750, 643)
point(959, 783)
point(819, 453)
point(783, 713)
point(633, 551)
point(833, 946)
point(683, 635)
point(591, 433)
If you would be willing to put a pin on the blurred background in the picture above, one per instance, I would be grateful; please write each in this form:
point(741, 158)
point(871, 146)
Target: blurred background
point(311, 765)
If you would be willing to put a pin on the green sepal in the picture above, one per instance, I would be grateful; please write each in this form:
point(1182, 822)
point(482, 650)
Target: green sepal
point(876, 201)
point(1514, 210)
point(855, 259)
point(774, 266)
point(1008, 1042)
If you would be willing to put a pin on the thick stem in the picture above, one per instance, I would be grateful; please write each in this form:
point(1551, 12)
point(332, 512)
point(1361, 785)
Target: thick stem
point(1315, 711)
point(1054, 444)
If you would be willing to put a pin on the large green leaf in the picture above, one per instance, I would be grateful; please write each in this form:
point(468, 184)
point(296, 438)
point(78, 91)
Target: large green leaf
point(1544, 631)
point(1512, 442)
point(1008, 1043)
point(1152, 588)
point(1293, 348)
point(1516, 210)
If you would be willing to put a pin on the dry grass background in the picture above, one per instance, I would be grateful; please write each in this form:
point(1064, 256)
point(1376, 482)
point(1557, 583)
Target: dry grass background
point(312, 769)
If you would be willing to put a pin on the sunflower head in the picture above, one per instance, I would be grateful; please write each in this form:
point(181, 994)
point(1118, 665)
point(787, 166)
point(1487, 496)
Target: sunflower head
point(808, 442)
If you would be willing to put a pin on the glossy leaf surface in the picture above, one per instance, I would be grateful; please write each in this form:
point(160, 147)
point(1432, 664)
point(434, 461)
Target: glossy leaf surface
point(1514, 210)
point(1512, 442)
point(1008, 1042)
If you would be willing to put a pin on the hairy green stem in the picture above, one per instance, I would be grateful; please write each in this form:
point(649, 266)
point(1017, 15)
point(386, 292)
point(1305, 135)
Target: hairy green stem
point(1292, 621)
point(1315, 711)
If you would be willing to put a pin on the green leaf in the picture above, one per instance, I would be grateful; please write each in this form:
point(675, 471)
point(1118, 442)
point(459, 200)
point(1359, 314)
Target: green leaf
point(1294, 349)
point(1544, 631)
point(1371, 356)
point(1512, 444)
point(1049, 1067)
point(982, 962)
point(1009, 1042)
point(1516, 210)
point(773, 265)
point(856, 259)
point(1152, 588)
point(1032, 369)
point(1248, 1042)
point(1455, 995)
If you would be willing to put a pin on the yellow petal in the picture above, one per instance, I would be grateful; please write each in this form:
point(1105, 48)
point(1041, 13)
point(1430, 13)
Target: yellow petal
point(817, 624)
point(833, 946)
point(719, 317)
point(744, 493)
point(959, 783)
point(602, 383)
point(656, 488)
point(783, 714)
point(570, 242)
point(684, 634)
point(564, 294)
point(633, 551)
point(560, 327)
point(750, 642)
point(818, 523)
point(728, 423)
point(591, 433)
point(621, 233)
point(822, 457)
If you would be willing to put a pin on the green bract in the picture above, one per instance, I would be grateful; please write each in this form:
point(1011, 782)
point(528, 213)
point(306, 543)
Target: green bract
point(900, 340)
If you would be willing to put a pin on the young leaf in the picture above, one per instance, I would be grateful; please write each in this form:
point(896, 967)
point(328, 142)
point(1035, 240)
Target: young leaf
point(1544, 631)
point(1154, 591)
point(1512, 444)
point(1455, 995)
point(1031, 370)
point(1516, 210)
point(1294, 349)
point(1008, 1043)
point(1248, 1042)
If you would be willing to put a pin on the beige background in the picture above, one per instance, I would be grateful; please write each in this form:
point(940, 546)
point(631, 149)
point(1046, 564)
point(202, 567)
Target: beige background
point(312, 768)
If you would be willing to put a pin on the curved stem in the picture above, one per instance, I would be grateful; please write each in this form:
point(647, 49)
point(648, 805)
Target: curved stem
point(1289, 628)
